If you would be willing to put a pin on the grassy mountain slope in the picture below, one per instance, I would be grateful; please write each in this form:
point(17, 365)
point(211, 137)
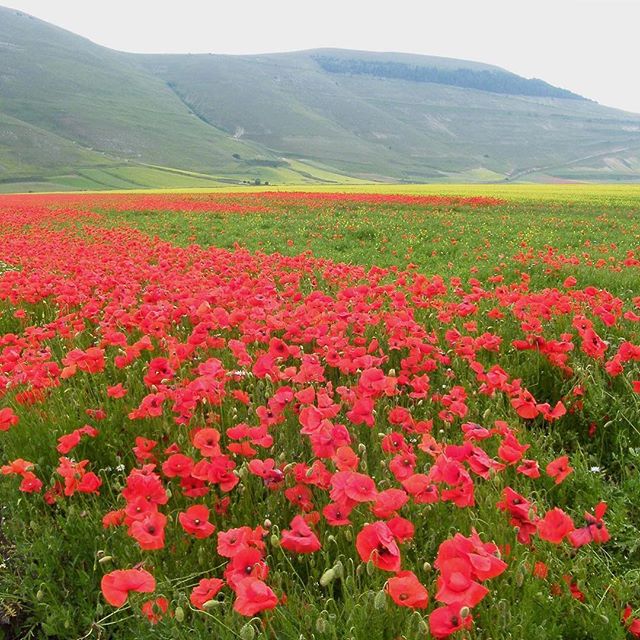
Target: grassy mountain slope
point(74, 115)
point(410, 130)
point(58, 82)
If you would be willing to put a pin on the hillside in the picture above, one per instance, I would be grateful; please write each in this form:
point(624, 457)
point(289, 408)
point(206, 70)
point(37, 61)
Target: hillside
point(77, 115)
point(381, 126)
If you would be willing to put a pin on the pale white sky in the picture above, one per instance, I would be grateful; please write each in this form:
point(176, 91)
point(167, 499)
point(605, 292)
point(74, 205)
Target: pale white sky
point(591, 47)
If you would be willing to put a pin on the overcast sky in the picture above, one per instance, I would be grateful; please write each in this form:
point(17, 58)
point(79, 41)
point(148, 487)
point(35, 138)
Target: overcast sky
point(591, 47)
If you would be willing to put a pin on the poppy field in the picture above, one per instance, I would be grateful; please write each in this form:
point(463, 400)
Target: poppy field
point(297, 415)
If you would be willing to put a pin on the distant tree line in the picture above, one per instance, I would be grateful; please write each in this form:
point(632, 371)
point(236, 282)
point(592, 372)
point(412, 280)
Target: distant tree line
point(483, 80)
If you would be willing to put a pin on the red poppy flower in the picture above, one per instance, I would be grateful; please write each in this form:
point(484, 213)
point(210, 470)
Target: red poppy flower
point(8, 418)
point(336, 515)
point(117, 585)
point(300, 538)
point(148, 531)
point(555, 525)
point(253, 596)
point(177, 465)
point(206, 590)
point(154, 610)
point(195, 520)
point(456, 584)
point(559, 469)
point(376, 542)
point(595, 529)
point(445, 621)
point(406, 591)
point(246, 563)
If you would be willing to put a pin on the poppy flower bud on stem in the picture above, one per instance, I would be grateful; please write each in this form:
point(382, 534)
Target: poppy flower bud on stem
point(380, 600)
point(371, 568)
point(464, 612)
point(327, 577)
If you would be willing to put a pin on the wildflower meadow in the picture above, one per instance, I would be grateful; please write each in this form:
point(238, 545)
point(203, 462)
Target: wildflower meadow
point(317, 415)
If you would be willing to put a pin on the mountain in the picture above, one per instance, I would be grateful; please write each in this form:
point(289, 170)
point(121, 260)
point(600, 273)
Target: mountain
point(77, 115)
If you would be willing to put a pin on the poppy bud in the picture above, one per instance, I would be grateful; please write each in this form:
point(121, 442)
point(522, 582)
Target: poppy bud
point(338, 569)
point(39, 595)
point(392, 373)
point(178, 614)
point(267, 523)
point(275, 540)
point(321, 625)
point(247, 632)
point(426, 567)
point(362, 448)
point(211, 604)
point(105, 559)
point(327, 577)
point(380, 601)
point(371, 568)
point(464, 612)
point(348, 534)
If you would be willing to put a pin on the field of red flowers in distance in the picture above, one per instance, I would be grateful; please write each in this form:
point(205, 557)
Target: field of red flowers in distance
point(319, 415)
